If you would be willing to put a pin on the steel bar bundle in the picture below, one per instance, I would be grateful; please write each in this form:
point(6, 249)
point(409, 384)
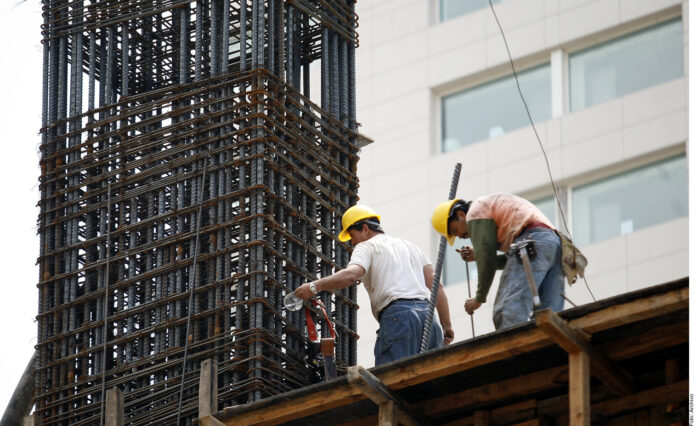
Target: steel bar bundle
point(187, 184)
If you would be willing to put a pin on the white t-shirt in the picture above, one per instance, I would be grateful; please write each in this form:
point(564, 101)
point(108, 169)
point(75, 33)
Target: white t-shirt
point(393, 270)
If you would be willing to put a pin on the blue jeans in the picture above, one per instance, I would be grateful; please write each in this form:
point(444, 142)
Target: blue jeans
point(400, 331)
point(514, 301)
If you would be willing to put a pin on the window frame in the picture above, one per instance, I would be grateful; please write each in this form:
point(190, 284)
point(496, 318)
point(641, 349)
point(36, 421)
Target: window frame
point(606, 37)
point(565, 188)
point(476, 80)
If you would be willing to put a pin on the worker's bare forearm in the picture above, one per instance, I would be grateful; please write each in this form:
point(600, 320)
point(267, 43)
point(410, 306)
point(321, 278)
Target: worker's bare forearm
point(341, 279)
point(442, 305)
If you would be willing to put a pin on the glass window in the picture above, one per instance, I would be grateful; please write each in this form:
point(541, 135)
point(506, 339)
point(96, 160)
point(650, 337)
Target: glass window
point(452, 8)
point(625, 65)
point(630, 201)
point(494, 108)
point(547, 205)
point(454, 268)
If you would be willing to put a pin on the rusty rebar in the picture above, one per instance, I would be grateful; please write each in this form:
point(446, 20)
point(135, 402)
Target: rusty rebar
point(169, 84)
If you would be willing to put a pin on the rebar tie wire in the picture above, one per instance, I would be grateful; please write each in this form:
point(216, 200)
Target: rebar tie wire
point(193, 285)
point(529, 115)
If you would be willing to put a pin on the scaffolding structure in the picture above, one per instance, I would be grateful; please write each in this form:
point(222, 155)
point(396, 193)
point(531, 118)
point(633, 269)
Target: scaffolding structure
point(197, 187)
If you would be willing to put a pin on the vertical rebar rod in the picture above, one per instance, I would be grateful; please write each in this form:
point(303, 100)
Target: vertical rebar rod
point(105, 315)
point(192, 286)
point(425, 339)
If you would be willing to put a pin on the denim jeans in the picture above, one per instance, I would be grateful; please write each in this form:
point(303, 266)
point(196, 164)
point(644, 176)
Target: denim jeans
point(514, 301)
point(401, 328)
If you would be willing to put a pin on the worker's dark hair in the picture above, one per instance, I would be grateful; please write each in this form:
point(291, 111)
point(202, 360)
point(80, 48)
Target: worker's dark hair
point(371, 222)
point(458, 206)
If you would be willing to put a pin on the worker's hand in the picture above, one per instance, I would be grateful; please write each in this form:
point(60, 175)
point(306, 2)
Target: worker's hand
point(448, 331)
point(467, 253)
point(471, 305)
point(303, 292)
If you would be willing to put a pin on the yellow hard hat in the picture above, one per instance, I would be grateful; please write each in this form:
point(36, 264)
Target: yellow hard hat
point(439, 219)
point(354, 215)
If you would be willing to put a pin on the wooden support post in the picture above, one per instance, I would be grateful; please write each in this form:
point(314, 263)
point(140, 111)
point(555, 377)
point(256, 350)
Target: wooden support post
point(370, 386)
point(579, 388)
point(671, 376)
point(32, 420)
point(114, 407)
point(208, 389)
point(388, 414)
point(572, 341)
point(482, 418)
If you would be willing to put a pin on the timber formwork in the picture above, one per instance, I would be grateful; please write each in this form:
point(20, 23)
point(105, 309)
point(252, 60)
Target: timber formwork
point(188, 183)
point(617, 362)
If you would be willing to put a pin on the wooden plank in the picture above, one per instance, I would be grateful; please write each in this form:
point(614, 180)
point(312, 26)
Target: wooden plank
point(579, 388)
point(528, 384)
point(633, 311)
point(498, 391)
point(32, 420)
point(114, 407)
point(209, 421)
point(678, 391)
point(630, 347)
point(503, 415)
point(208, 389)
point(379, 393)
point(388, 414)
point(533, 422)
point(460, 357)
point(571, 341)
point(666, 336)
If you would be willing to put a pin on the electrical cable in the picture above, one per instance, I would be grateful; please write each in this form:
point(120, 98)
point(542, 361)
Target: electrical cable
point(531, 121)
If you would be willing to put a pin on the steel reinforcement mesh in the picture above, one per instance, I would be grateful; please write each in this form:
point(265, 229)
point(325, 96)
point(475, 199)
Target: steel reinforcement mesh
point(192, 193)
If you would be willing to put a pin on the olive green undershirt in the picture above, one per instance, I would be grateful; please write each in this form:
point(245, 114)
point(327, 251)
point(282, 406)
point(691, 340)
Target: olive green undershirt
point(484, 238)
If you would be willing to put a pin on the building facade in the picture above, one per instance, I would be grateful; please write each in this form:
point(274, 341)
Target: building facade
point(606, 83)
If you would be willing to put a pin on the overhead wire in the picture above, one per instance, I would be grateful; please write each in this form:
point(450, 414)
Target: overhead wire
point(536, 133)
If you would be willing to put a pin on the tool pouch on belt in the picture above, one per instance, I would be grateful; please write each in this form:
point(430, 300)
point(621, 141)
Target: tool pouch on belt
point(573, 261)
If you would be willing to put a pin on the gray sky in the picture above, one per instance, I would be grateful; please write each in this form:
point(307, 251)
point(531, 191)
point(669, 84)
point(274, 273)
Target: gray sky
point(20, 120)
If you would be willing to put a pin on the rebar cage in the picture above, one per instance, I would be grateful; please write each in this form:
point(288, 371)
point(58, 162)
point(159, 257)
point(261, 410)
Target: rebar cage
point(197, 188)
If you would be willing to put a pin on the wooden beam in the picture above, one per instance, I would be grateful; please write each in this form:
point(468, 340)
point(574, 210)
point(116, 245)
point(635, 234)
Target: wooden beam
point(532, 422)
point(32, 420)
point(208, 389)
point(633, 311)
point(456, 358)
point(379, 393)
point(572, 341)
point(678, 391)
point(388, 414)
point(579, 388)
point(498, 391)
point(209, 421)
point(506, 414)
point(114, 407)
point(663, 337)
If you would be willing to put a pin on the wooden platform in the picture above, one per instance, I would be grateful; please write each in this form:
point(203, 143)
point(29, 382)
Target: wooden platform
point(619, 361)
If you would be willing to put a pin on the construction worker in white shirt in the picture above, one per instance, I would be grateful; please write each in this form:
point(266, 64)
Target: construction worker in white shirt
point(397, 277)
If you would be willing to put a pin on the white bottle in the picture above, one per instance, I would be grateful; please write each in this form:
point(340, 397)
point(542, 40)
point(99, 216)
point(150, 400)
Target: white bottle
point(292, 302)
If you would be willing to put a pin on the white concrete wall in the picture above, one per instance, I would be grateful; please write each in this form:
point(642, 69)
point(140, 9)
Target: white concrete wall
point(407, 60)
